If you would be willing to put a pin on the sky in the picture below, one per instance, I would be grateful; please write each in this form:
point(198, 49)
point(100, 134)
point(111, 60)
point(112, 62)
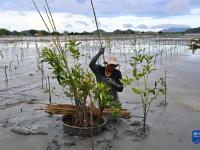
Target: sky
point(77, 15)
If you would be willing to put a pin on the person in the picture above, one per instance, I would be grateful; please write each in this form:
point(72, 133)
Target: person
point(108, 75)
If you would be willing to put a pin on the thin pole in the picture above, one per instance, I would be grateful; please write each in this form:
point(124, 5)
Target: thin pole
point(97, 28)
point(41, 16)
point(49, 90)
point(165, 86)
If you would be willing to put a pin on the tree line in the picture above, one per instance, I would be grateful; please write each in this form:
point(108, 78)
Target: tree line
point(33, 32)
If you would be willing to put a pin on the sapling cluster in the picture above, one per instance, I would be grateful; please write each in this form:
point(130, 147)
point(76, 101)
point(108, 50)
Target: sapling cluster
point(76, 82)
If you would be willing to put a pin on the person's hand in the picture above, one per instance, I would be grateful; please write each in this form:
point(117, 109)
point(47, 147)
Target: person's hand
point(101, 50)
point(110, 81)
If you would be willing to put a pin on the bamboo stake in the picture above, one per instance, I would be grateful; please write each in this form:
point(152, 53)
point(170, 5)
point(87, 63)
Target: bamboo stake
point(49, 89)
point(51, 21)
point(41, 15)
point(45, 24)
point(91, 119)
point(17, 59)
point(6, 75)
point(10, 66)
point(42, 71)
point(95, 18)
point(165, 86)
point(69, 109)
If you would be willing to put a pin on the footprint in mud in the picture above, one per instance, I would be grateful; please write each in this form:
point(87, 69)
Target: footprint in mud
point(31, 101)
point(162, 104)
point(138, 133)
point(136, 123)
point(132, 102)
point(152, 111)
point(5, 123)
point(27, 131)
point(137, 140)
point(133, 108)
point(53, 144)
point(70, 142)
point(9, 105)
point(108, 146)
point(169, 133)
point(31, 74)
point(180, 140)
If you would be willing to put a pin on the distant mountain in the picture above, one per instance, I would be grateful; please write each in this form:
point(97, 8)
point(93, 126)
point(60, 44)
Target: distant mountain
point(129, 31)
point(193, 30)
point(100, 30)
point(175, 30)
point(117, 31)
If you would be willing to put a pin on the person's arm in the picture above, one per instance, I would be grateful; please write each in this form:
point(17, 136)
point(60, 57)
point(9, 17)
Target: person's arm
point(116, 84)
point(93, 61)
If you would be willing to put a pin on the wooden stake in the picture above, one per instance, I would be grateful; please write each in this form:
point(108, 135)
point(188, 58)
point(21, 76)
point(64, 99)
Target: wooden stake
point(165, 86)
point(95, 18)
point(49, 89)
point(6, 75)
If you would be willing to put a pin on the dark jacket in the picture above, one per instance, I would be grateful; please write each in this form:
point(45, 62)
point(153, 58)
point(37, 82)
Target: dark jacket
point(99, 71)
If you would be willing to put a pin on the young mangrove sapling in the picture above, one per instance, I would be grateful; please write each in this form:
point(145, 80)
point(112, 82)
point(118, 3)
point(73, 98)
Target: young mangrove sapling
point(142, 66)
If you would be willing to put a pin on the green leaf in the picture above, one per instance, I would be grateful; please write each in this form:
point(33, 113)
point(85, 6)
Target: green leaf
point(135, 72)
point(126, 81)
point(136, 90)
point(155, 84)
point(101, 96)
point(140, 75)
point(132, 64)
point(144, 94)
point(152, 91)
point(135, 58)
point(162, 91)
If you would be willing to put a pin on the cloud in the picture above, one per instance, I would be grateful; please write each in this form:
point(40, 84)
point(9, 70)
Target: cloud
point(68, 15)
point(82, 23)
point(68, 26)
point(77, 15)
point(81, 1)
point(195, 11)
point(127, 25)
point(22, 13)
point(166, 26)
point(108, 8)
point(175, 7)
point(98, 22)
point(78, 23)
point(142, 26)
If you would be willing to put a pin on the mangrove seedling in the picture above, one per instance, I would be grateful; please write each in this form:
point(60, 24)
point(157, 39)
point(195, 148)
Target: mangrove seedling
point(75, 81)
point(142, 66)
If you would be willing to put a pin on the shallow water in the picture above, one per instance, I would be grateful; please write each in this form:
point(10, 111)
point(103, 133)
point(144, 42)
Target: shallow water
point(22, 57)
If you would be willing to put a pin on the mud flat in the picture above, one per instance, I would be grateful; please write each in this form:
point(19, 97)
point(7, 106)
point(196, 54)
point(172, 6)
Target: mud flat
point(170, 127)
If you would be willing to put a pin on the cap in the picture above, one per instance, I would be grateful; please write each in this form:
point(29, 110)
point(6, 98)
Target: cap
point(112, 60)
